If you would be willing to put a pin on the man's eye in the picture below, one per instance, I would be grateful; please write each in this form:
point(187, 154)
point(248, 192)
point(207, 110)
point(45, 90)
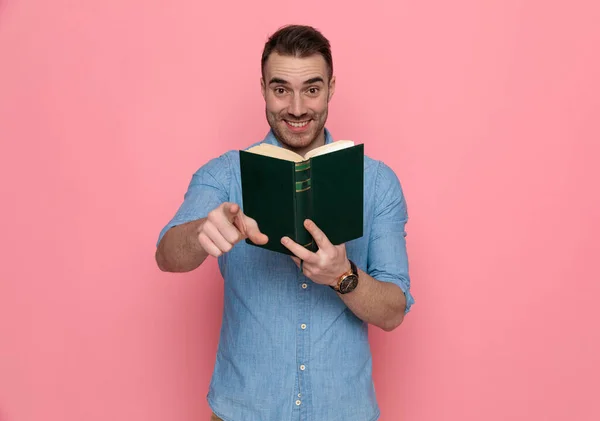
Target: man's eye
point(280, 91)
point(313, 91)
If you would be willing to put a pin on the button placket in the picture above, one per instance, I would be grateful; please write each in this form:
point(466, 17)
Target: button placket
point(303, 346)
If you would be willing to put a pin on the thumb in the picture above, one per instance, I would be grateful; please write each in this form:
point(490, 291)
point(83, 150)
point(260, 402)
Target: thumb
point(252, 231)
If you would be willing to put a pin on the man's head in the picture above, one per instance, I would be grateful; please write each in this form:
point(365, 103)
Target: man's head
point(297, 84)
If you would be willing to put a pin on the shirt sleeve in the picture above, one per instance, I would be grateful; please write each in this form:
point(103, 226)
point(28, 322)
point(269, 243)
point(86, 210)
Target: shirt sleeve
point(208, 188)
point(388, 258)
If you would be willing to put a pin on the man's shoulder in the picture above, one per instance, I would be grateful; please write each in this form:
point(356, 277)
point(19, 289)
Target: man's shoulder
point(370, 163)
point(216, 163)
point(383, 179)
point(218, 168)
point(379, 168)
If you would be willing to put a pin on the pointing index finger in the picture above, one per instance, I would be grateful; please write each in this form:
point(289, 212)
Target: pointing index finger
point(231, 210)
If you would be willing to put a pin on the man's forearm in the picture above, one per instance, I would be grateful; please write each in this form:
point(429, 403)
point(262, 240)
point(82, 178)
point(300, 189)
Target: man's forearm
point(179, 249)
point(375, 302)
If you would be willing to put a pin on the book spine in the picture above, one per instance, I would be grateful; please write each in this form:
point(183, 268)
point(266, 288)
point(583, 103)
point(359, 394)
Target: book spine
point(303, 203)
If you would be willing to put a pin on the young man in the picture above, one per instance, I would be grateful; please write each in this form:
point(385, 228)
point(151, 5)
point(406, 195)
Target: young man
point(293, 343)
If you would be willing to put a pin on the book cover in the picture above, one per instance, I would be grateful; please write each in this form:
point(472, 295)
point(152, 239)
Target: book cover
point(281, 189)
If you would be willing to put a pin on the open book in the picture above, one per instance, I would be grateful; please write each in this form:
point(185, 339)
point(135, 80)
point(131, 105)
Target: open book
point(280, 189)
point(273, 151)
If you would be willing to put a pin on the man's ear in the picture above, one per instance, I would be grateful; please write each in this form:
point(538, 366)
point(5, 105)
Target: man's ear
point(263, 88)
point(331, 88)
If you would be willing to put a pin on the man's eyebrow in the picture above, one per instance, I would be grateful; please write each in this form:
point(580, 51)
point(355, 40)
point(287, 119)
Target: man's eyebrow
point(310, 81)
point(278, 80)
point(314, 80)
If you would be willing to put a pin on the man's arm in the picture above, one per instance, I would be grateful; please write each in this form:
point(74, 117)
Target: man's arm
point(179, 250)
point(206, 222)
point(184, 247)
point(382, 304)
point(382, 296)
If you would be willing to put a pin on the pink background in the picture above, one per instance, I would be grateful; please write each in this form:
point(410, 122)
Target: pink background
point(488, 112)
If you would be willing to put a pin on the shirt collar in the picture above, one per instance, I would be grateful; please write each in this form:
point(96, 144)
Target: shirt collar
point(270, 138)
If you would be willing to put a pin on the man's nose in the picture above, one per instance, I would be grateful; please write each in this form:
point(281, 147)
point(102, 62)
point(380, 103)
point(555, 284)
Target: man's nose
point(297, 108)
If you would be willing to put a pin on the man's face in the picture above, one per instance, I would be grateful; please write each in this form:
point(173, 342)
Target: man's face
point(297, 92)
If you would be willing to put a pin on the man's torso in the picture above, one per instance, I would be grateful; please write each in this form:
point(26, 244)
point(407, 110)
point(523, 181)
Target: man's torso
point(291, 349)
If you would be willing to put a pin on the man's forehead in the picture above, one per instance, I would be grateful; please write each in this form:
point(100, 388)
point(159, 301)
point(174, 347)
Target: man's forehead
point(282, 66)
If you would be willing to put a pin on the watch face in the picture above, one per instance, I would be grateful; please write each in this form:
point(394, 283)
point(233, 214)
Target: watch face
point(348, 284)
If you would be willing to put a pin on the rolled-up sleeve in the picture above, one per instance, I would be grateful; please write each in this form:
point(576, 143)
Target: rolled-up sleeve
point(388, 257)
point(208, 188)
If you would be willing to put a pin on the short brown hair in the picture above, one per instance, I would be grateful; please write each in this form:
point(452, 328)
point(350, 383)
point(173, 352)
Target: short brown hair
point(298, 41)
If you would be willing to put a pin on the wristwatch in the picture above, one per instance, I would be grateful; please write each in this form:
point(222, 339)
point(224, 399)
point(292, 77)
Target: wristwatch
point(348, 281)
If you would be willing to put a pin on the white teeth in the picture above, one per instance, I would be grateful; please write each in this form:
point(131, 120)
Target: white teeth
point(297, 124)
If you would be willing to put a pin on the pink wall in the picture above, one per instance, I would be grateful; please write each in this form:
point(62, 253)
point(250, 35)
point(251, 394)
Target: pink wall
point(488, 111)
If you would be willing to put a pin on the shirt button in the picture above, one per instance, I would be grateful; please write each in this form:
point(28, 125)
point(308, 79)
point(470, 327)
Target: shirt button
point(299, 395)
point(303, 326)
point(298, 402)
point(304, 286)
point(302, 367)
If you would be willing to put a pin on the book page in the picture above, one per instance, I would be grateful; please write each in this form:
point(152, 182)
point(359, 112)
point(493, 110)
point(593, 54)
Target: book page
point(331, 147)
point(276, 152)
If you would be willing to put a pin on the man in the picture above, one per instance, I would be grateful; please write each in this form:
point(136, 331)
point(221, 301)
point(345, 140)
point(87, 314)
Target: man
point(293, 342)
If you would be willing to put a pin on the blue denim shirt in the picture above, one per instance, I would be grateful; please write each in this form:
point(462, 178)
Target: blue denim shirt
point(291, 349)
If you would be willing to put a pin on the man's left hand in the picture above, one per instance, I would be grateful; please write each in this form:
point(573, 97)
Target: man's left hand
point(327, 264)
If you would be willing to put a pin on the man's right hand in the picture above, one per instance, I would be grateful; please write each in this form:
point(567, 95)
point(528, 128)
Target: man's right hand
point(224, 227)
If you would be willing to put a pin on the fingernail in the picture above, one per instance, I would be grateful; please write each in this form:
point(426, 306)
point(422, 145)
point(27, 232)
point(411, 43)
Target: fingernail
point(284, 240)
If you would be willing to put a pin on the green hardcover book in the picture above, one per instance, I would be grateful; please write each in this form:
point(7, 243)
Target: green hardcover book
point(280, 189)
